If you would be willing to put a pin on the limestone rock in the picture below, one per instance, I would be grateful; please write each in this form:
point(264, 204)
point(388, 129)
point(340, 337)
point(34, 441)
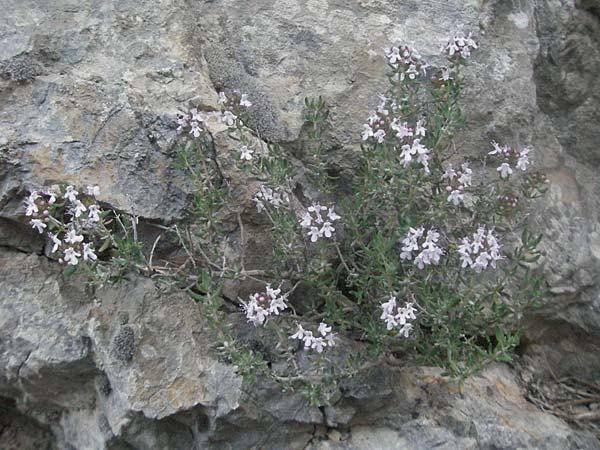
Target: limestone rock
point(88, 94)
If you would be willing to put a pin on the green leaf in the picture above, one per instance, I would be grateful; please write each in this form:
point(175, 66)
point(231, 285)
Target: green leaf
point(69, 270)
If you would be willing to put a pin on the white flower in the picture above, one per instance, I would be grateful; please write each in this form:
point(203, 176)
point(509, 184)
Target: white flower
point(88, 252)
point(71, 193)
point(261, 305)
point(446, 74)
point(401, 128)
point(331, 215)
point(327, 230)
point(195, 116)
point(299, 334)
point(406, 61)
point(395, 316)
point(245, 152)
point(523, 161)
point(94, 213)
point(266, 194)
point(367, 132)
point(317, 208)
point(195, 130)
point(38, 224)
point(466, 176)
point(406, 155)
point(314, 234)
point(70, 256)
point(411, 242)
point(228, 118)
point(182, 121)
point(222, 98)
point(504, 170)
point(393, 55)
point(244, 101)
point(382, 104)
point(314, 217)
point(422, 154)
point(481, 251)
point(52, 192)
point(315, 343)
point(430, 252)
point(449, 174)
point(388, 314)
point(405, 330)
point(308, 340)
point(318, 344)
point(420, 129)
point(497, 149)
point(407, 313)
point(57, 243)
point(306, 220)
point(78, 208)
point(33, 196)
point(255, 312)
point(459, 44)
point(379, 136)
point(456, 197)
point(330, 338)
point(272, 292)
point(31, 207)
point(412, 71)
point(373, 118)
point(324, 329)
point(93, 190)
point(72, 237)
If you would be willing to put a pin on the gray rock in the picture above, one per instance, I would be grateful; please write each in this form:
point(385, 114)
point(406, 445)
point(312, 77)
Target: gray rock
point(88, 94)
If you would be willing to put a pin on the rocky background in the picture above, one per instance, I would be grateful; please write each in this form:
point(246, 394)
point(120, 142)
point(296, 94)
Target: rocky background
point(89, 90)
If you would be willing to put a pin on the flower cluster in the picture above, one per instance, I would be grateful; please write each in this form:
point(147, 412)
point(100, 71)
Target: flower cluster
point(318, 226)
point(415, 151)
point(481, 251)
point(510, 156)
point(271, 196)
point(397, 317)
point(44, 208)
point(456, 181)
point(536, 179)
point(409, 138)
point(231, 107)
point(262, 305)
point(507, 202)
point(459, 44)
point(406, 61)
point(377, 122)
point(429, 251)
point(324, 337)
point(190, 122)
point(193, 123)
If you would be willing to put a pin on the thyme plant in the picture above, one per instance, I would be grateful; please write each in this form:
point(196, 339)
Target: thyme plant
point(429, 259)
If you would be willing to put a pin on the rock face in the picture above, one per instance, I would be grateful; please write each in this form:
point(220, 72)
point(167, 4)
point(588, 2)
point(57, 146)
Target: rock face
point(88, 94)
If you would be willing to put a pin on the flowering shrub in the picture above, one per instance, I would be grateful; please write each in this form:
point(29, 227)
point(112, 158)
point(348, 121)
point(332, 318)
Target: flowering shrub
point(423, 261)
point(429, 259)
point(78, 230)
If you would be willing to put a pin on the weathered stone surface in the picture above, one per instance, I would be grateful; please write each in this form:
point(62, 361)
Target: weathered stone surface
point(88, 94)
point(491, 413)
point(21, 432)
point(70, 363)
